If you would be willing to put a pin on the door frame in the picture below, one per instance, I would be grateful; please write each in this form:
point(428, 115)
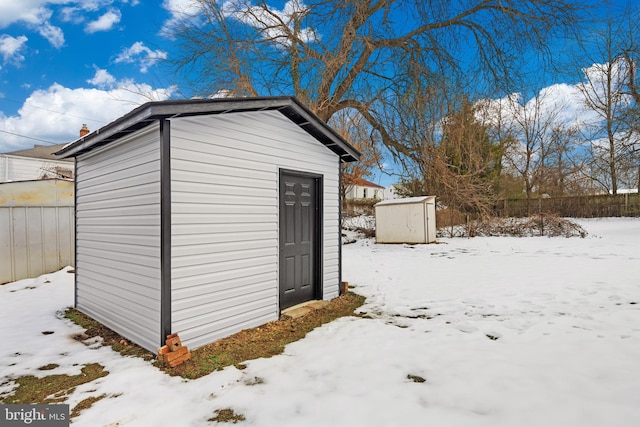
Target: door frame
point(318, 255)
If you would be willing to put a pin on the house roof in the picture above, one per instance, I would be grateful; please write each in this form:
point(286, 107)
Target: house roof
point(364, 183)
point(408, 201)
point(150, 112)
point(38, 152)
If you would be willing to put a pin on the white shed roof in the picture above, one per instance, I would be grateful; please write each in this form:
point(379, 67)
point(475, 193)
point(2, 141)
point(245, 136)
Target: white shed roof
point(407, 201)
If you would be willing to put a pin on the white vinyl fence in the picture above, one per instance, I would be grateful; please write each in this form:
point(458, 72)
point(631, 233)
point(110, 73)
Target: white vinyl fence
point(35, 237)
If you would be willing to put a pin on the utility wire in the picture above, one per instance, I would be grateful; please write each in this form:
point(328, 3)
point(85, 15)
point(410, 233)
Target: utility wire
point(29, 137)
point(51, 111)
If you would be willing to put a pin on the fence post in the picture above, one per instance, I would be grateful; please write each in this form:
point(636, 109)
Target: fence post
point(626, 204)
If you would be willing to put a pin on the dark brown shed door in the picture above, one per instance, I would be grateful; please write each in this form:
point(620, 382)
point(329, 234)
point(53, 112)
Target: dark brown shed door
point(299, 250)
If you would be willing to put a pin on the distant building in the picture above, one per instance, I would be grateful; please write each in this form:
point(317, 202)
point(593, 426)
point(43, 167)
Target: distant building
point(363, 189)
point(34, 163)
point(626, 191)
point(391, 192)
point(38, 162)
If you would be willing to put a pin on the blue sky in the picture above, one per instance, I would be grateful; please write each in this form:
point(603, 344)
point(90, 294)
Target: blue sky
point(64, 63)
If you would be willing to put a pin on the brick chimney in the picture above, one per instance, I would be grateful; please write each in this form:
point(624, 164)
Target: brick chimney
point(84, 131)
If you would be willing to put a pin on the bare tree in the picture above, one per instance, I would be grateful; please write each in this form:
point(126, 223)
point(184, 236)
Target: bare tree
point(603, 95)
point(356, 130)
point(366, 56)
point(563, 169)
point(630, 55)
point(610, 92)
point(496, 115)
point(460, 162)
point(532, 124)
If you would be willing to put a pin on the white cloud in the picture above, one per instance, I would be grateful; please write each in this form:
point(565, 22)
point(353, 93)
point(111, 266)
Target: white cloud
point(73, 14)
point(12, 11)
point(23, 10)
point(104, 22)
point(10, 48)
point(561, 103)
point(272, 22)
point(57, 113)
point(53, 34)
point(76, 10)
point(37, 15)
point(38, 19)
point(102, 79)
point(607, 80)
point(142, 55)
point(178, 9)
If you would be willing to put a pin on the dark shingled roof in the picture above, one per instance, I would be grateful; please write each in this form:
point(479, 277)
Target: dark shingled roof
point(40, 152)
point(151, 112)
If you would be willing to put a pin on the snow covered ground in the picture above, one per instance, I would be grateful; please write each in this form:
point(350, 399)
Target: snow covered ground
point(505, 332)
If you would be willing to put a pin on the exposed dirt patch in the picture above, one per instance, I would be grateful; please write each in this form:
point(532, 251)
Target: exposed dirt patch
point(48, 367)
point(85, 404)
point(416, 378)
point(95, 329)
point(226, 415)
point(264, 341)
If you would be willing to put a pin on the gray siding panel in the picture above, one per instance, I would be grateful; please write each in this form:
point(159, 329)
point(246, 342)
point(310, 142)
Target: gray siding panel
point(118, 236)
point(224, 172)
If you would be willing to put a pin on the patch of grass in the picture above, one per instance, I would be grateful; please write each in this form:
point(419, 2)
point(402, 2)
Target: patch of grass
point(81, 319)
point(53, 388)
point(226, 415)
point(264, 341)
point(48, 367)
point(110, 338)
point(85, 404)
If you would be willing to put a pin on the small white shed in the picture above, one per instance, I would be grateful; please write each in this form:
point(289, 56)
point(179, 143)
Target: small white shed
point(410, 220)
point(205, 217)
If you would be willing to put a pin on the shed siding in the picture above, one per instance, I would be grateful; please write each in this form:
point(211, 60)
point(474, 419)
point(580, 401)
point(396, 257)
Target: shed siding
point(224, 195)
point(118, 236)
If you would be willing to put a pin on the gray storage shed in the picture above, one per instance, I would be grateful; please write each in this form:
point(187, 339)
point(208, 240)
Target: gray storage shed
point(410, 220)
point(206, 217)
